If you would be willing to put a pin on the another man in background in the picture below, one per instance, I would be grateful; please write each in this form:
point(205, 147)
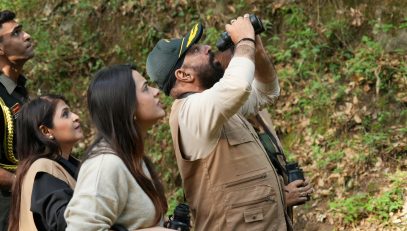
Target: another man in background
point(16, 48)
point(229, 181)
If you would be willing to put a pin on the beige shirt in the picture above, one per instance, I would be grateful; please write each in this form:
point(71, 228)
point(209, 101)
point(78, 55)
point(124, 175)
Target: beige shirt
point(105, 194)
point(203, 114)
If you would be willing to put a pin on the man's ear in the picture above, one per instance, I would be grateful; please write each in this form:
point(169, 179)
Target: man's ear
point(1, 50)
point(182, 75)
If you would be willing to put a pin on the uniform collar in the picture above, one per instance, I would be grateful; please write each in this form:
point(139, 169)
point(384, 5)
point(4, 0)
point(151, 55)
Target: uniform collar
point(9, 84)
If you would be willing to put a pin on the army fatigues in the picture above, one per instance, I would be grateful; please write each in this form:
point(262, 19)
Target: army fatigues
point(12, 97)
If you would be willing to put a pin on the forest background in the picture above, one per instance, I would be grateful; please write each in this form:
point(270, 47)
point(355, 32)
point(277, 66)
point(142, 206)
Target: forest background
point(342, 113)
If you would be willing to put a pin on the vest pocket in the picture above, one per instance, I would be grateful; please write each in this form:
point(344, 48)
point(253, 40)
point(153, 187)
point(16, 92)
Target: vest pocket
point(246, 180)
point(253, 215)
point(250, 208)
point(238, 136)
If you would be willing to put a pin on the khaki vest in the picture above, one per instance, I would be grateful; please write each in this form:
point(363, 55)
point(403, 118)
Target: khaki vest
point(266, 118)
point(235, 187)
point(41, 165)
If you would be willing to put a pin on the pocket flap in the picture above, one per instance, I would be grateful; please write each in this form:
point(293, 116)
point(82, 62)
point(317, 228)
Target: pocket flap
point(253, 215)
point(238, 136)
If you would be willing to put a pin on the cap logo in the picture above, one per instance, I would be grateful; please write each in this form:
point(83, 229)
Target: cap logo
point(192, 34)
point(180, 50)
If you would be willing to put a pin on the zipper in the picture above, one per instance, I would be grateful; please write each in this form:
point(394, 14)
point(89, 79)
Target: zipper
point(252, 178)
point(264, 199)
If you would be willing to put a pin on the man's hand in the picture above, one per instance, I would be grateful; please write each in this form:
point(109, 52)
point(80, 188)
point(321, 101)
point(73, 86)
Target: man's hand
point(241, 32)
point(240, 28)
point(6, 179)
point(297, 192)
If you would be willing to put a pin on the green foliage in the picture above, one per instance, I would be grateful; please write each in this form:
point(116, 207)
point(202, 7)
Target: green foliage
point(364, 62)
point(300, 46)
point(403, 25)
point(174, 200)
point(361, 205)
point(389, 202)
point(351, 208)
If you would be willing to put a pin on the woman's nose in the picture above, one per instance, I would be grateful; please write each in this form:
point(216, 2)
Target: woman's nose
point(156, 92)
point(75, 117)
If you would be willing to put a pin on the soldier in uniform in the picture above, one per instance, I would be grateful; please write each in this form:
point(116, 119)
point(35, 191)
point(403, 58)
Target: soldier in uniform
point(16, 48)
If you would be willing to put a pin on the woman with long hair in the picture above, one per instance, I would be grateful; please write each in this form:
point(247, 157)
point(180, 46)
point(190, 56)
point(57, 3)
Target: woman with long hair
point(117, 183)
point(46, 173)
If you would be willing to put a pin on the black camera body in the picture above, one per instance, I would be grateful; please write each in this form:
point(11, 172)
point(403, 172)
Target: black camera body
point(294, 172)
point(181, 219)
point(225, 41)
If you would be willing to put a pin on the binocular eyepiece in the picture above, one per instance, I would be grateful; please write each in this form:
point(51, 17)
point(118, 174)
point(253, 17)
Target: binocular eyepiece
point(225, 41)
point(294, 172)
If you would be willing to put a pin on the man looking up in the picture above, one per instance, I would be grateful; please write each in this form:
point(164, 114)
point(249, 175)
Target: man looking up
point(229, 181)
point(296, 192)
point(16, 48)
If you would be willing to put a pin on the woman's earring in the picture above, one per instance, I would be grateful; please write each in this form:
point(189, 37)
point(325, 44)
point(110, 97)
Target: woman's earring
point(51, 137)
point(134, 117)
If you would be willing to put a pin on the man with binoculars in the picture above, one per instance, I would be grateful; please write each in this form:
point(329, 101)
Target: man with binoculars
point(229, 181)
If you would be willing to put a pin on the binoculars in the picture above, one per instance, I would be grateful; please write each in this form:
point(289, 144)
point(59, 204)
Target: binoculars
point(181, 219)
point(225, 41)
point(294, 172)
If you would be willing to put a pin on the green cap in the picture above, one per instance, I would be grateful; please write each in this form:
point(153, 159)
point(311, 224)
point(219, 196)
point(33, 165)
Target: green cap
point(165, 56)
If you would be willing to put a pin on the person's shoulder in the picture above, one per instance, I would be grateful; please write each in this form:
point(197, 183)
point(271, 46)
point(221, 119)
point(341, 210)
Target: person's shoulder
point(104, 160)
point(3, 92)
point(46, 165)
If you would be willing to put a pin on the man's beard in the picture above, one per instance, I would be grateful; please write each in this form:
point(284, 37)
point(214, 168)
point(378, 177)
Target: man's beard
point(210, 73)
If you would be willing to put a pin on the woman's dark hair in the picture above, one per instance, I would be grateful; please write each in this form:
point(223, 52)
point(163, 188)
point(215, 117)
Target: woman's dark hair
point(112, 105)
point(32, 144)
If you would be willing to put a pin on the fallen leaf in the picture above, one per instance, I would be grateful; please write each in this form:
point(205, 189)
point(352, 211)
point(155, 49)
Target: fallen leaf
point(357, 119)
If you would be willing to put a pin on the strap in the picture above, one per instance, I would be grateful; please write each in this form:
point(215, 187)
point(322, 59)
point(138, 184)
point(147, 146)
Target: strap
point(269, 134)
point(274, 140)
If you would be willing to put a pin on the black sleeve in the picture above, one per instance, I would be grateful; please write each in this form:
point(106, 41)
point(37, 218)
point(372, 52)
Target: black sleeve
point(1, 134)
point(50, 196)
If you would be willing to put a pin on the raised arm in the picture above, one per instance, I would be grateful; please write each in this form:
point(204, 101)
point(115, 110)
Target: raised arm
point(265, 87)
point(204, 113)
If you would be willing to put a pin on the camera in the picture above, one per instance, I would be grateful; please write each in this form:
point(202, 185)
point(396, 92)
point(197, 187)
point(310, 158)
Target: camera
point(225, 41)
point(180, 220)
point(294, 172)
